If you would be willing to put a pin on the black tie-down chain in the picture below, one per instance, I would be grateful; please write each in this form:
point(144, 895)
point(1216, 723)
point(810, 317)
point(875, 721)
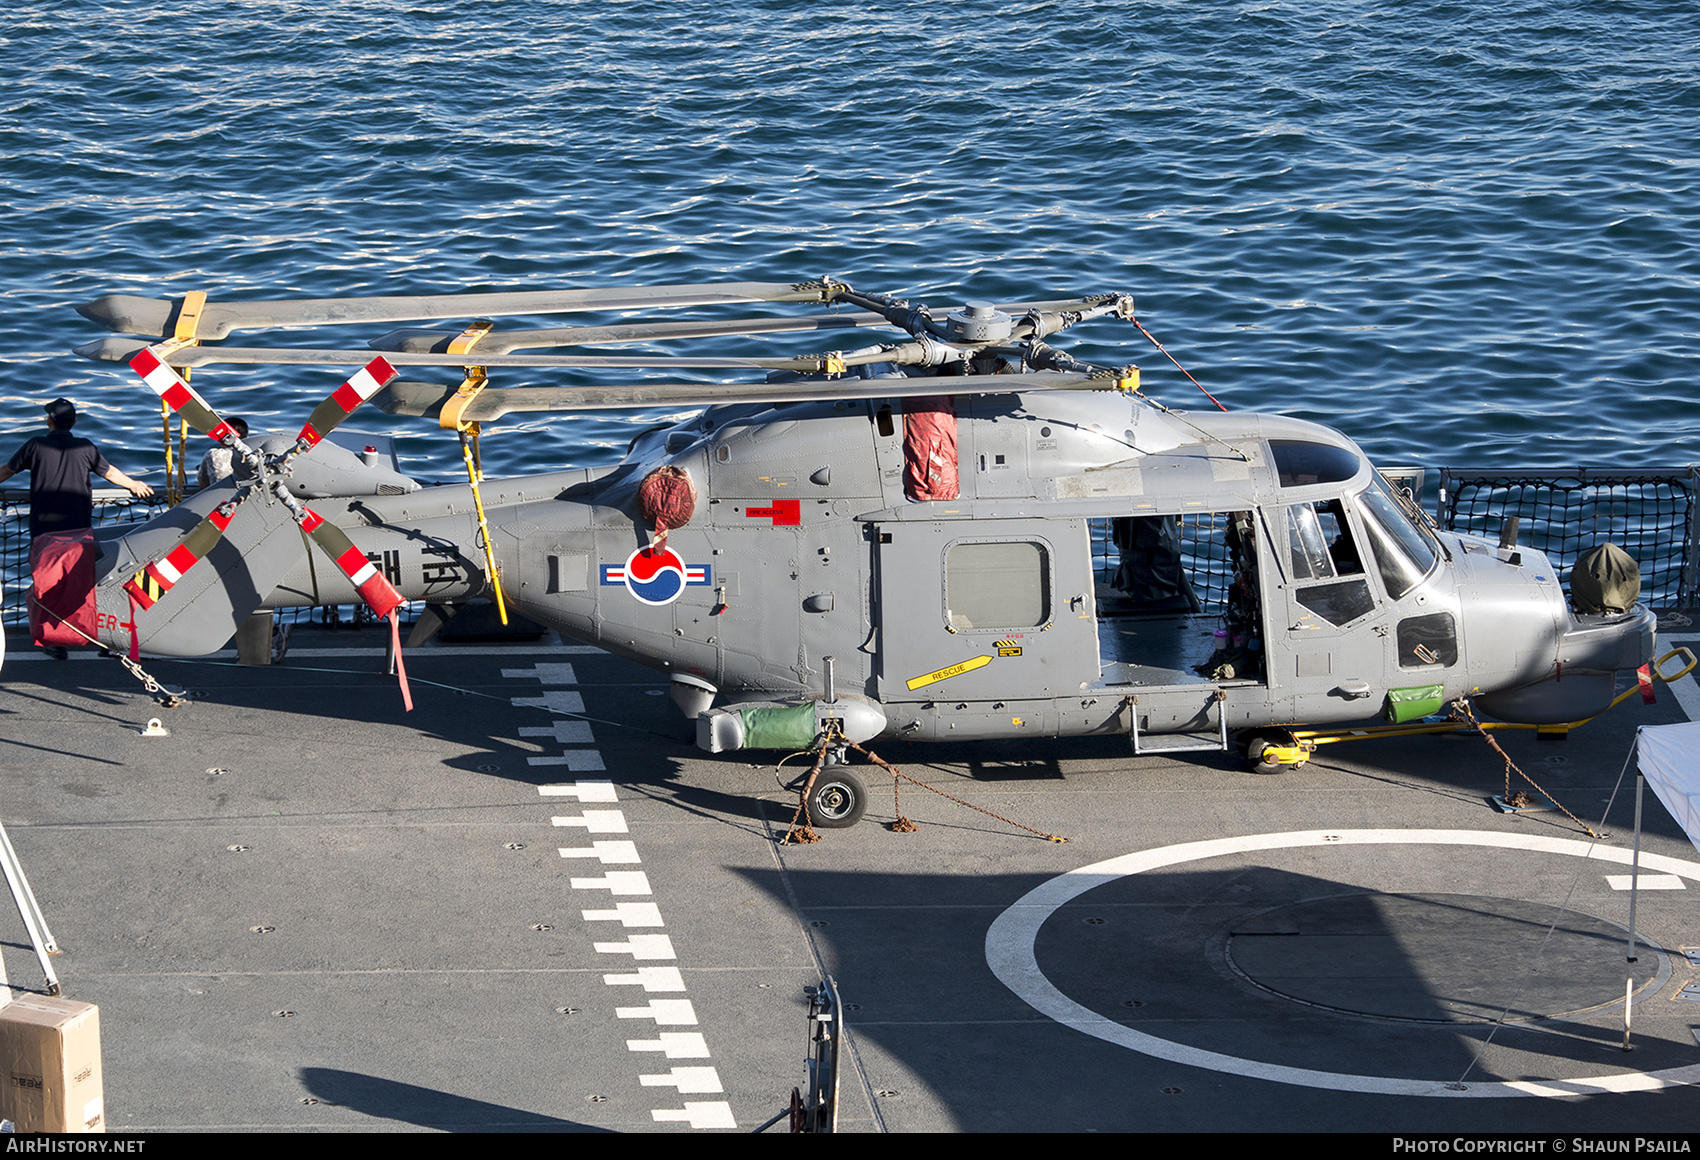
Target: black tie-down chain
point(803, 834)
point(1462, 706)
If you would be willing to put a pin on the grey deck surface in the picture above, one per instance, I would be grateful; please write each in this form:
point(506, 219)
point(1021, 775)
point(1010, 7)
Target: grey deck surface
point(423, 932)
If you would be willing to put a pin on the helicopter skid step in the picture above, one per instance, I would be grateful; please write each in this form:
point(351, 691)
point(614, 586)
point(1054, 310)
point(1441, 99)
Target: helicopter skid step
point(1190, 742)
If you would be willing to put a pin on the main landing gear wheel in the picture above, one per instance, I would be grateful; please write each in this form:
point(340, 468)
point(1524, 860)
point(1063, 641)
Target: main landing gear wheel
point(1257, 745)
point(838, 800)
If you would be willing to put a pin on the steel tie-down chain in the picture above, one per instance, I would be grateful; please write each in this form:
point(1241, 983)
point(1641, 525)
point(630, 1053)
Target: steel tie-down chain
point(805, 833)
point(1462, 704)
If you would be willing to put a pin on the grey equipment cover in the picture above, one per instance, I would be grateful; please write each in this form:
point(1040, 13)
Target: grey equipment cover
point(1605, 580)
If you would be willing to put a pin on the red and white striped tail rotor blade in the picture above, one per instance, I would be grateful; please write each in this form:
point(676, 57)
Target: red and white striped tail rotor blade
point(378, 593)
point(179, 395)
point(156, 579)
point(362, 385)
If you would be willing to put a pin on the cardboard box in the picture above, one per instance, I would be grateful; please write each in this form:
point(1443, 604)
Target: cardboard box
point(50, 1077)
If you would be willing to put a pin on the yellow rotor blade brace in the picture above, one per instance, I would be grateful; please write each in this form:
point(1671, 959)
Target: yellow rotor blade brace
point(475, 380)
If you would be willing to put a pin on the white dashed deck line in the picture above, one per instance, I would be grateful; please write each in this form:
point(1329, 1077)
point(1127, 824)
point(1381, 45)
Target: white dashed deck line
point(559, 702)
point(616, 882)
point(1648, 881)
point(628, 914)
point(691, 1081)
point(608, 853)
point(596, 822)
point(549, 674)
point(576, 760)
point(677, 1044)
point(651, 979)
point(665, 1012)
point(566, 731)
point(699, 1114)
point(584, 791)
point(640, 946)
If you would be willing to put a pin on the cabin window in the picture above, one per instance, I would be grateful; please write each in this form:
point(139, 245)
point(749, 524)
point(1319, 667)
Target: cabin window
point(1302, 464)
point(1003, 584)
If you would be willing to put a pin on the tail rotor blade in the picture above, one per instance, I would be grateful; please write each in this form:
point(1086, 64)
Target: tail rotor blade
point(156, 579)
point(380, 596)
point(361, 385)
point(179, 395)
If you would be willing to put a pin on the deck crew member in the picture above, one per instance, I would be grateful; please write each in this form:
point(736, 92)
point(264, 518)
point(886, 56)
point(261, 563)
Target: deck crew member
point(60, 463)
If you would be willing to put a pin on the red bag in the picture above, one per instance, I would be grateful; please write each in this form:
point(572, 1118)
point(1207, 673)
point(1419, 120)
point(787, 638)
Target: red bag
point(62, 600)
point(929, 448)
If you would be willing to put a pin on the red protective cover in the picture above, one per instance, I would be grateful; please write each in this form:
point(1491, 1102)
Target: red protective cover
point(929, 448)
point(62, 565)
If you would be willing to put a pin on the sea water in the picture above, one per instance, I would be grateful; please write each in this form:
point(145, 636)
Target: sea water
point(1464, 234)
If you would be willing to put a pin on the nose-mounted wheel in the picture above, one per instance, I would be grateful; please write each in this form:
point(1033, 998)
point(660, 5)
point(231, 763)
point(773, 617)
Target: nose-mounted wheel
point(1272, 751)
point(838, 799)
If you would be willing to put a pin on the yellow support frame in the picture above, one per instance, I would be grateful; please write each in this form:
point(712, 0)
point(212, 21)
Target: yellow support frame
point(1306, 741)
point(474, 380)
point(183, 334)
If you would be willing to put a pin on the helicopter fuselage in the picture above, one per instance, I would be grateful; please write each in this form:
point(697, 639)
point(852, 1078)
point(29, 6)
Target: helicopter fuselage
point(1106, 567)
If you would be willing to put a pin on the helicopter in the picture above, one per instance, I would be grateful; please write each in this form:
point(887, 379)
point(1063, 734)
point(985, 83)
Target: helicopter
point(964, 533)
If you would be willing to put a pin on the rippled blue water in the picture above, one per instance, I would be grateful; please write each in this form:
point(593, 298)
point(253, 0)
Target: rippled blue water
point(1463, 233)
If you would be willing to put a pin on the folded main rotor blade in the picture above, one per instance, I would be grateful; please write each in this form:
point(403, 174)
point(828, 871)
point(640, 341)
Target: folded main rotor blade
point(427, 399)
point(504, 341)
point(179, 395)
point(131, 314)
point(361, 385)
point(156, 579)
point(201, 356)
point(420, 341)
point(380, 596)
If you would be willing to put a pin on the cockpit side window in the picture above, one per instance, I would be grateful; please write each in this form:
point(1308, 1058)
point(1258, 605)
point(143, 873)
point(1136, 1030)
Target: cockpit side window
point(1321, 541)
point(1323, 548)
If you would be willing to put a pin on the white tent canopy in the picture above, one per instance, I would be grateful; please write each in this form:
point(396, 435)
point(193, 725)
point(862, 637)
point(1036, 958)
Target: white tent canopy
point(1669, 757)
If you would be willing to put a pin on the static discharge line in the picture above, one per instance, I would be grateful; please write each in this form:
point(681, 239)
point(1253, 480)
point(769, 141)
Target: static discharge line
point(658, 980)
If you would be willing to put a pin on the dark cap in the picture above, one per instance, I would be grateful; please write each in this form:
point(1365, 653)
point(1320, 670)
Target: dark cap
point(63, 412)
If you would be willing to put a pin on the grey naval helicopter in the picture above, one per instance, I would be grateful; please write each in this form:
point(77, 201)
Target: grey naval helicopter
point(964, 533)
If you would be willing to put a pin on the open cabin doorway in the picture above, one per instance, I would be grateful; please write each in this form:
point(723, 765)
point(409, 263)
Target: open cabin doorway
point(1178, 599)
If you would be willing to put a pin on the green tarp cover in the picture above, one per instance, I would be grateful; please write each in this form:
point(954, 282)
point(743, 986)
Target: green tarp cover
point(789, 727)
point(1414, 703)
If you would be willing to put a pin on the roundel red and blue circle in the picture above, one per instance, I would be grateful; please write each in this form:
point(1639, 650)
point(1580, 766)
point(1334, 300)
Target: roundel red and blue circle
point(655, 575)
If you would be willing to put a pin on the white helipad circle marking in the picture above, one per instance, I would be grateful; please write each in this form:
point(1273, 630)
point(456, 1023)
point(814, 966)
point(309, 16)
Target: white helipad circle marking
point(1010, 954)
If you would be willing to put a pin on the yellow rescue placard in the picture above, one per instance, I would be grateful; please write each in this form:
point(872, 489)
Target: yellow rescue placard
point(937, 675)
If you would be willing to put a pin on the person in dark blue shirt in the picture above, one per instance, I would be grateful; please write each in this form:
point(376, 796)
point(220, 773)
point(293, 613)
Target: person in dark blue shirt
point(59, 463)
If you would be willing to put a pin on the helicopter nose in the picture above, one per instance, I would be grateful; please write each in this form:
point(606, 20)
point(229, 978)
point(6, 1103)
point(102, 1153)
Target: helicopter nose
point(1533, 660)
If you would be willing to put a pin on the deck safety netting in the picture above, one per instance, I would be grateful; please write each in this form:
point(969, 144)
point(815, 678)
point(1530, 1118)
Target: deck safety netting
point(1204, 554)
point(1650, 515)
